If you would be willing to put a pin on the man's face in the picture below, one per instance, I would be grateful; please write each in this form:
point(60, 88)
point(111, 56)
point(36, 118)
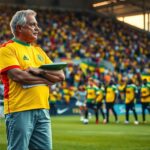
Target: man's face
point(29, 31)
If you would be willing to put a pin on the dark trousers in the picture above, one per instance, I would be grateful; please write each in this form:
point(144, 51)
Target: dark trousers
point(99, 107)
point(144, 107)
point(129, 107)
point(93, 107)
point(110, 106)
point(53, 109)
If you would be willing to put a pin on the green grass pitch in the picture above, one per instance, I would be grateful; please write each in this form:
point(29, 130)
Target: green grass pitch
point(70, 134)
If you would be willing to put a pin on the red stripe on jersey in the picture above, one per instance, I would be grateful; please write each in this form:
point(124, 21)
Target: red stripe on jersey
point(4, 44)
point(9, 68)
point(5, 81)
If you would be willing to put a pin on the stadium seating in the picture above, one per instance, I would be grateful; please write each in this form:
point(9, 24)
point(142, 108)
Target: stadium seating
point(72, 35)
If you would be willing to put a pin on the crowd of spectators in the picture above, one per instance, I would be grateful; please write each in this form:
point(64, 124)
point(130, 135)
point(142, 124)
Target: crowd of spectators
point(73, 36)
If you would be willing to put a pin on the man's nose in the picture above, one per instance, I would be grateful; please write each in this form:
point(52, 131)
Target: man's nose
point(38, 29)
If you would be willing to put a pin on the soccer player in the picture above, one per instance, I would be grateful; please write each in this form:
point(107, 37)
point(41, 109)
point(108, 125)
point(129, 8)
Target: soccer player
point(81, 98)
point(121, 88)
point(90, 100)
point(145, 98)
point(111, 94)
point(52, 101)
point(130, 98)
point(99, 100)
point(66, 93)
point(26, 108)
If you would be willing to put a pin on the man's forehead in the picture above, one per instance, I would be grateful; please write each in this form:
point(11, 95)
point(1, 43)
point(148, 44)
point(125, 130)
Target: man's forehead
point(31, 18)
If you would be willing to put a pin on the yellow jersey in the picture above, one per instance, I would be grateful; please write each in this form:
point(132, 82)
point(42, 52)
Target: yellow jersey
point(91, 93)
point(145, 93)
point(111, 92)
point(17, 54)
point(130, 93)
point(53, 96)
point(100, 95)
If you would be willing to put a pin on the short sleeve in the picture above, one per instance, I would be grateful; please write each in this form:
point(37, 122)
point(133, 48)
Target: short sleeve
point(8, 59)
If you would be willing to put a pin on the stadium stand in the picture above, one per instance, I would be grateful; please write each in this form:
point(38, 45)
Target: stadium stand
point(89, 39)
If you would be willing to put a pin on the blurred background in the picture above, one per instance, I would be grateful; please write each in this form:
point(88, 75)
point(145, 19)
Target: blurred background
point(103, 39)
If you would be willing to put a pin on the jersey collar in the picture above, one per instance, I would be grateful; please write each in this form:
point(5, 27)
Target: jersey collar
point(21, 42)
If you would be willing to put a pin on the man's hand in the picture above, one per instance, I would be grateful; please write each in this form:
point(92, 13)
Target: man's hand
point(50, 75)
point(35, 71)
point(24, 77)
point(53, 76)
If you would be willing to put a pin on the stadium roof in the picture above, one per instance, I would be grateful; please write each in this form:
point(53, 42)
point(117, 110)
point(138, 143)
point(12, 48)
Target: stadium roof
point(123, 7)
point(116, 7)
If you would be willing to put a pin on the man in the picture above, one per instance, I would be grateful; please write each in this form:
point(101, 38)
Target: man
point(130, 97)
point(99, 99)
point(26, 107)
point(145, 98)
point(53, 101)
point(90, 100)
point(81, 98)
point(111, 94)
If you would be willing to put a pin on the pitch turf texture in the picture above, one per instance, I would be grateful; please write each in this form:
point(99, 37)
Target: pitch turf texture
point(70, 134)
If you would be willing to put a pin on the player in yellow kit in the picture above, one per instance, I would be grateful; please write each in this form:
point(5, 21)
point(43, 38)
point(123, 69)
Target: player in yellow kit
point(52, 101)
point(130, 98)
point(145, 98)
point(100, 94)
point(111, 94)
point(91, 100)
point(26, 88)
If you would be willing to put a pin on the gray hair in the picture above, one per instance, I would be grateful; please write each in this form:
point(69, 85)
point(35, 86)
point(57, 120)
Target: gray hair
point(19, 18)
